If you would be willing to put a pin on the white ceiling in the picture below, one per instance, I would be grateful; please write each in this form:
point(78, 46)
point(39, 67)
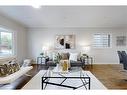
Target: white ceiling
point(68, 16)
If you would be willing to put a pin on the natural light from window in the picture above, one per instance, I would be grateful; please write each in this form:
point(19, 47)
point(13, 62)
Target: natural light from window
point(6, 41)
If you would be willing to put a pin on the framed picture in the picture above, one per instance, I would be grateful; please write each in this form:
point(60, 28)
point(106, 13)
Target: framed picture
point(121, 41)
point(65, 42)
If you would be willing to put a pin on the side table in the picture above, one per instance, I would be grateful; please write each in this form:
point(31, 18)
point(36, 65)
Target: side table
point(88, 60)
point(41, 60)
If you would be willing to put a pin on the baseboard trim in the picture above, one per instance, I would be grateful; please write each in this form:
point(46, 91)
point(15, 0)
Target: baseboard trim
point(105, 63)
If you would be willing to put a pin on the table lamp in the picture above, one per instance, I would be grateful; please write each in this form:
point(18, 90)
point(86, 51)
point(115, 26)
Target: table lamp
point(44, 50)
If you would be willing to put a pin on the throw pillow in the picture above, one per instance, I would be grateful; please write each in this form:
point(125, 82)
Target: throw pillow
point(27, 62)
point(3, 70)
point(64, 56)
point(73, 56)
point(8, 69)
point(15, 67)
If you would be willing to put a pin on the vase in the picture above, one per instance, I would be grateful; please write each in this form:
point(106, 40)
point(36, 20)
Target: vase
point(65, 65)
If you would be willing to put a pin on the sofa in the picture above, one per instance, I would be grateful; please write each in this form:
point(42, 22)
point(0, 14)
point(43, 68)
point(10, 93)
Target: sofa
point(74, 59)
point(12, 77)
point(10, 70)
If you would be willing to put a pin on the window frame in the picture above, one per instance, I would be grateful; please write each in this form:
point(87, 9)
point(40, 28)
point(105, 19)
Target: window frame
point(13, 45)
point(108, 40)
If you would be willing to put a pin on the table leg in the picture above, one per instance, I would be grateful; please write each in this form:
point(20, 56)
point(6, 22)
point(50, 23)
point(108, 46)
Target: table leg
point(42, 82)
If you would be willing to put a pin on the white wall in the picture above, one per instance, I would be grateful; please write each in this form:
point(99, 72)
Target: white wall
point(37, 37)
point(19, 36)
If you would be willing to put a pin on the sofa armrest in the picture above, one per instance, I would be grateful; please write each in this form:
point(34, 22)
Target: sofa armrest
point(12, 77)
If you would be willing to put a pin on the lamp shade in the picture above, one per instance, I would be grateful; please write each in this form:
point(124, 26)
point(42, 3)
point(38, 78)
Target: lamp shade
point(44, 48)
point(86, 48)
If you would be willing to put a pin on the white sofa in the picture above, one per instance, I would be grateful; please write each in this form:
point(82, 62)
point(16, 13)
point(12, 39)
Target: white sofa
point(12, 77)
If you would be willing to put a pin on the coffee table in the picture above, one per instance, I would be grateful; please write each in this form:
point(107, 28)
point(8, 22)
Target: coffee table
point(74, 79)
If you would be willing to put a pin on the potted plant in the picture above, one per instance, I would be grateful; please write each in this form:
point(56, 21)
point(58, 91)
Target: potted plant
point(42, 54)
point(83, 56)
point(57, 58)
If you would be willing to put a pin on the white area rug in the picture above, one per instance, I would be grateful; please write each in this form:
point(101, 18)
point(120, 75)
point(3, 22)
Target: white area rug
point(35, 82)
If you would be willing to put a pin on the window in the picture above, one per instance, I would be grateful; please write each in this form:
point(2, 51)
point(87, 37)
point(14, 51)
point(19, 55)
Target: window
point(101, 40)
point(6, 41)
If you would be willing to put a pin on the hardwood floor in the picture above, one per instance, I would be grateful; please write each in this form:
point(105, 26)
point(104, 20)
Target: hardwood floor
point(110, 75)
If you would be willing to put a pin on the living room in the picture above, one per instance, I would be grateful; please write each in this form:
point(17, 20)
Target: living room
point(96, 31)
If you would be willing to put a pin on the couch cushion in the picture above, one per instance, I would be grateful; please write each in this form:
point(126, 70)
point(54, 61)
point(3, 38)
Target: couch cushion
point(76, 63)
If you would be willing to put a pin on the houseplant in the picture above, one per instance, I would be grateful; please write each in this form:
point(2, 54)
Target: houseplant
point(42, 54)
point(57, 58)
point(83, 56)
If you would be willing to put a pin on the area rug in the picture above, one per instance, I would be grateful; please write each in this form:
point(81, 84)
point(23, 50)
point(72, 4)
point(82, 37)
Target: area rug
point(35, 82)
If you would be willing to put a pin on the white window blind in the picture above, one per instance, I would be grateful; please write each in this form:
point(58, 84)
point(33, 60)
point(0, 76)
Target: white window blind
point(101, 40)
